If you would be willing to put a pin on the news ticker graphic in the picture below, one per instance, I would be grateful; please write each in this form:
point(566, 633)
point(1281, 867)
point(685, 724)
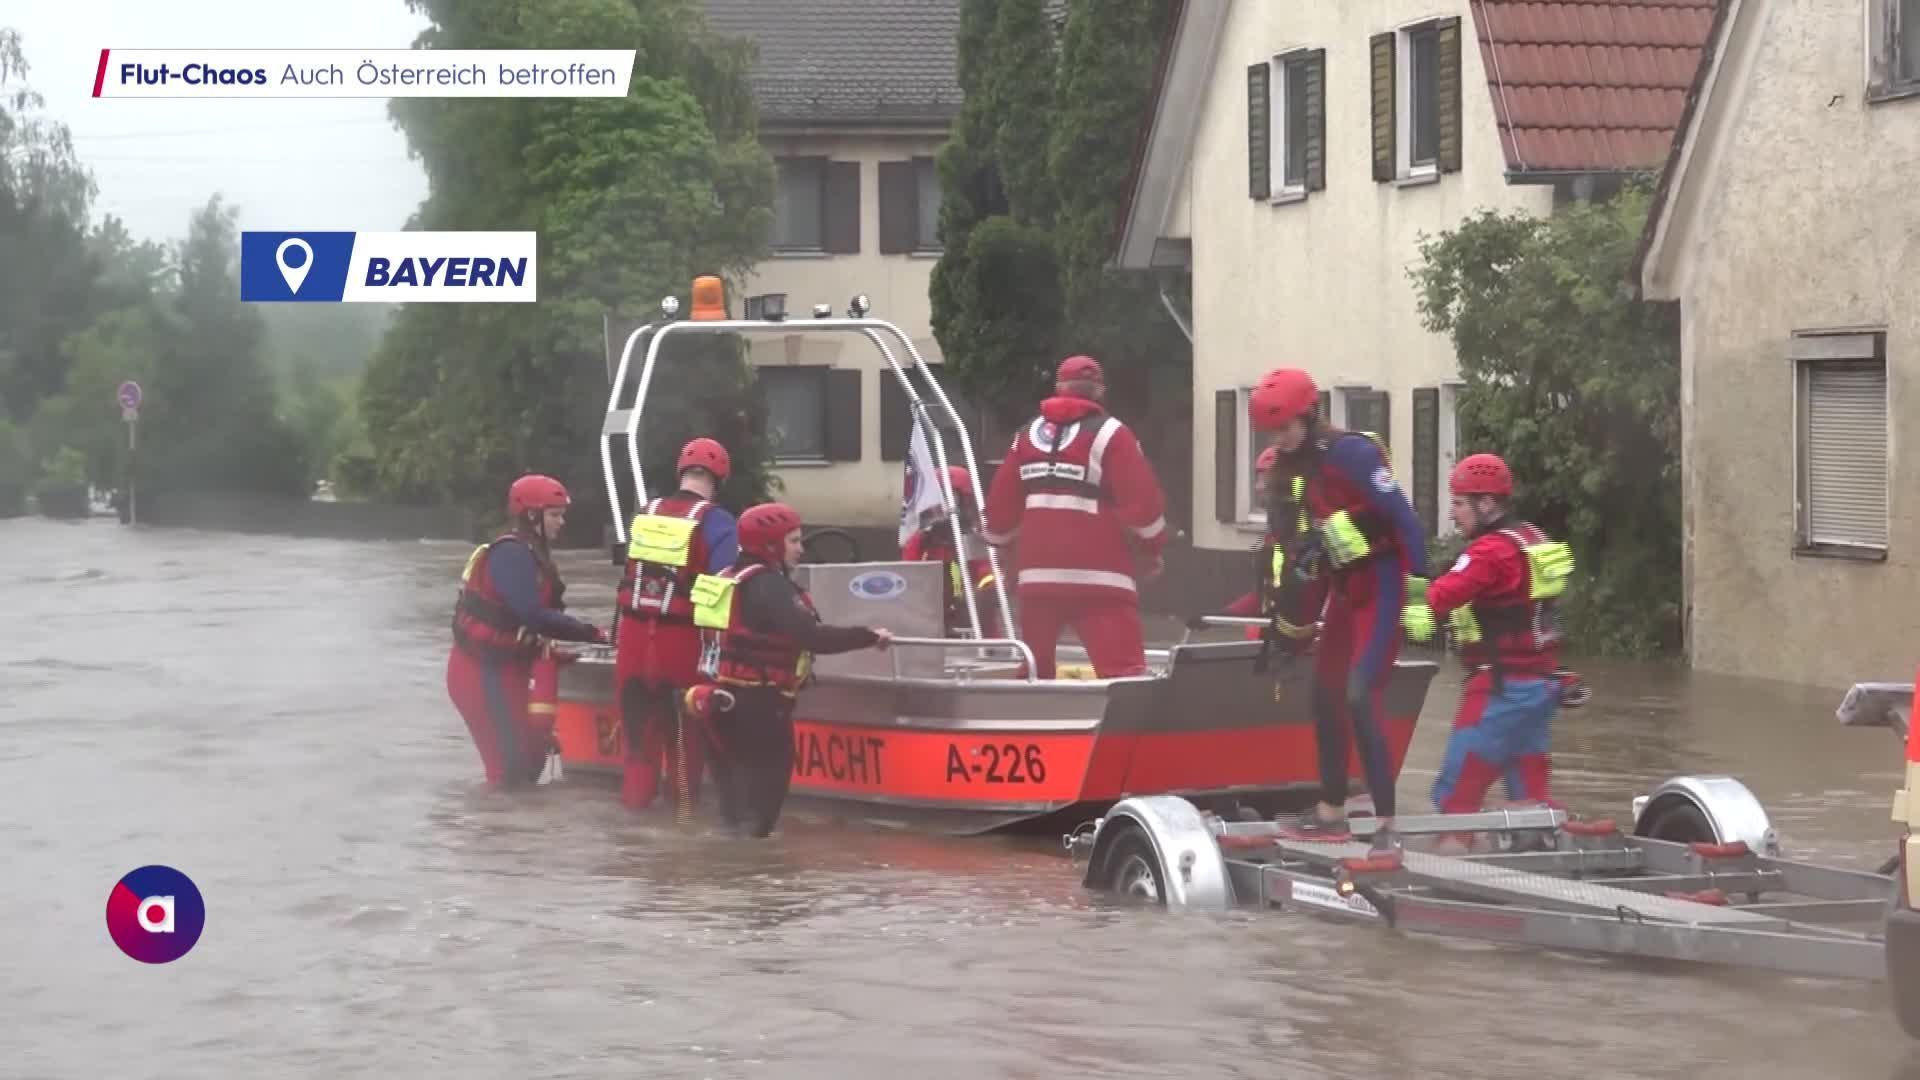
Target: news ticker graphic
point(362, 73)
point(155, 914)
point(322, 267)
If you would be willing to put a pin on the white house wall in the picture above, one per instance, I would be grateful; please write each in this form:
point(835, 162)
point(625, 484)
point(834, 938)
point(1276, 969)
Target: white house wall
point(1807, 220)
point(865, 492)
point(1323, 283)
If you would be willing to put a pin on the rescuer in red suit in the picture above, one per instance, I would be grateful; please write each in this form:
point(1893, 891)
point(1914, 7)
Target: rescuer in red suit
point(1500, 602)
point(672, 540)
point(510, 599)
point(760, 634)
point(1081, 500)
point(934, 543)
point(1363, 537)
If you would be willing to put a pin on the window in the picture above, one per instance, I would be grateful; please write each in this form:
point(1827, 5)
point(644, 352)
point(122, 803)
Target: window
point(896, 420)
point(1235, 450)
point(1840, 444)
point(799, 204)
point(1367, 411)
point(928, 210)
point(1416, 101)
point(1297, 135)
point(1894, 49)
point(909, 207)
point(816, 206)
point(813, 412)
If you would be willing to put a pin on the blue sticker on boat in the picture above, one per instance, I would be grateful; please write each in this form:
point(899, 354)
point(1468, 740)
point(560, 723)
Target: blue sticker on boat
point(877, 585)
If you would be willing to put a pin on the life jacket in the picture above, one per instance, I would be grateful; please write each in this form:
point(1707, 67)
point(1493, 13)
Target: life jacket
point(665, 553)
point(1518, 632)
point(735, 654)
point(483, 625)
point(1286, 600)
point(1345, 524)
point(936, 543)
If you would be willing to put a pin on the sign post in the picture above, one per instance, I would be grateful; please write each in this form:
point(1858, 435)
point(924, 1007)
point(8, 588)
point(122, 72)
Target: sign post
point(129, 396)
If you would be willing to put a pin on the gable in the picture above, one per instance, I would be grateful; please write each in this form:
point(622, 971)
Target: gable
point(1695, 151)
point(849, 61)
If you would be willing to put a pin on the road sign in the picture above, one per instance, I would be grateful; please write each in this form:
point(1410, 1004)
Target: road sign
point(129, 395)
point(129, 415)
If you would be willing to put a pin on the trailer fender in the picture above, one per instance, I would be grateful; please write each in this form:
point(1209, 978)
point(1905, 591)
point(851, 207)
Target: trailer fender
point(1683, 806)
point(1191, 871)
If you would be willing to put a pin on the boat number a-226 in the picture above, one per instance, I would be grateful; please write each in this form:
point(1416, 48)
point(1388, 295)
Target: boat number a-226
point(1005, 763)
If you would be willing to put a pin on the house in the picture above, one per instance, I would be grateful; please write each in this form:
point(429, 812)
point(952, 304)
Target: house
point(1787, 229)
point(855, 98)
point(1296, 154)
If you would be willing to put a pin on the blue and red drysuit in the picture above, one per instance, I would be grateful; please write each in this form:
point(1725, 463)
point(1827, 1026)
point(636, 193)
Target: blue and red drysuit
point(1513, 687)
point(509, 599)
point(1360, 631)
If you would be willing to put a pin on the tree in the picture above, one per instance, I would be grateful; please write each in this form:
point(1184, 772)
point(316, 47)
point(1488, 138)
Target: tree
point(1577, 385)
point(45, 274)
point(631, 198)
point(1032, 181)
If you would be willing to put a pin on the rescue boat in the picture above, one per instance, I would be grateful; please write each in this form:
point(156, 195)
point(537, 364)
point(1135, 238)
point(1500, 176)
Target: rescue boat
point(953, 733)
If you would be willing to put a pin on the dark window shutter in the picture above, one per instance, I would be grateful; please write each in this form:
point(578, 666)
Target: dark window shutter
point(1426, 457)
point(1259, 131)
point(1448, 93)
point(1386, 130)
point(899, 209)
point(841, 214)
point(1226, 456)
point(1326, 406)
point(843, 414)
point(1316, 120)
point(896, 418)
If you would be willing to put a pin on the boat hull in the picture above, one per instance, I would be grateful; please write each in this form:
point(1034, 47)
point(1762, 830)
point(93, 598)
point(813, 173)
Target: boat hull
point(971, 753)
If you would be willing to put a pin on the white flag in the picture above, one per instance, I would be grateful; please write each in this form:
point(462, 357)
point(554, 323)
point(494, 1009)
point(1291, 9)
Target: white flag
point(922, 491)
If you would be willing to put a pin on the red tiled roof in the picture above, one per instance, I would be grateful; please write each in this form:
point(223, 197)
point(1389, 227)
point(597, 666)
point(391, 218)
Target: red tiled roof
point(1590, 85)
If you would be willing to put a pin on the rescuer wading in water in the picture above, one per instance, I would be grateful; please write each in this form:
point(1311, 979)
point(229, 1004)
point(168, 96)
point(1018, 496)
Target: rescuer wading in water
point(510, 599)
point(1500, 604)
point(760, 632)
point(673, 539)
point(1362, 537)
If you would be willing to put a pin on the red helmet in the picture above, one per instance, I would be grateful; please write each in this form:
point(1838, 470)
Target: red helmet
point(961, 480)
point(705, 454)
point(1079, 369)
point(535, 492)
point(764, 529)
point(1481, 474)
point(1281, 395)
point(1267, 459)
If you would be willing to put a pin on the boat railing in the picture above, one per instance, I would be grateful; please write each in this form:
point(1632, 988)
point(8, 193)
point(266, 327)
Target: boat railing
point(623, 419)
point(949, 644)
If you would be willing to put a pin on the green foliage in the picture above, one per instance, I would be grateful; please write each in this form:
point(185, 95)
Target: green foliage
point(1032, 182)
point(631, 198)
point(1576, 384)
point(16, 469)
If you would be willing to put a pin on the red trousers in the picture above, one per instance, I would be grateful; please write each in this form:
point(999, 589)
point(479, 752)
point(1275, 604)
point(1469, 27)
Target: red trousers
point(1109, 628)
point(492, 699)
point(654, 663)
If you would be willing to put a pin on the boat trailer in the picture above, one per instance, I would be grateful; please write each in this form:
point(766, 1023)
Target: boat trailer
point(1720, 896)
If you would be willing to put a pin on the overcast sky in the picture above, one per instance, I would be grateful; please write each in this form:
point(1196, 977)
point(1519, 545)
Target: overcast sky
point(288, 164)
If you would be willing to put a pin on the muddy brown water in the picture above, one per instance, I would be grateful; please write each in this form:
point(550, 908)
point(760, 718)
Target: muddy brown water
point(268, 715)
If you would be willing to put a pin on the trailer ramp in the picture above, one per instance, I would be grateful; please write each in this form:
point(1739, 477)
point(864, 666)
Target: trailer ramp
point(1483, 881)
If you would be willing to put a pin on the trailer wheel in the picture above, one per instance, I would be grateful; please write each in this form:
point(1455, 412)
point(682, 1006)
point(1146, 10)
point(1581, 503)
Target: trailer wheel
point(1677, 821)
point(1134, 872)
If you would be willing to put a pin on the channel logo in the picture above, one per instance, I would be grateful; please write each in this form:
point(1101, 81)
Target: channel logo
point(155, 914)
point(389, 267)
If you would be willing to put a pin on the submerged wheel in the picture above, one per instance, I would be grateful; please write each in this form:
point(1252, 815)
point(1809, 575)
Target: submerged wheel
point(1677, 821)
point(1134, 873)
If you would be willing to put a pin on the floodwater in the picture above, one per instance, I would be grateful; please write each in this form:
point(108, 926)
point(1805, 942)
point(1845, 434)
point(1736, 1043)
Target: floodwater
point(268, 715)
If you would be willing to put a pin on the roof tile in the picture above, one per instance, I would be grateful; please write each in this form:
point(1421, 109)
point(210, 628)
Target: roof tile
point(1590, 85)
point(824, 61)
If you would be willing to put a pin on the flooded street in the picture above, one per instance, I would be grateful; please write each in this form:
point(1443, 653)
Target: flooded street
point(269, 716)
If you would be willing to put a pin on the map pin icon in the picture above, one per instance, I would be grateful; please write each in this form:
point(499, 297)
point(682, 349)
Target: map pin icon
point(294, 274)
